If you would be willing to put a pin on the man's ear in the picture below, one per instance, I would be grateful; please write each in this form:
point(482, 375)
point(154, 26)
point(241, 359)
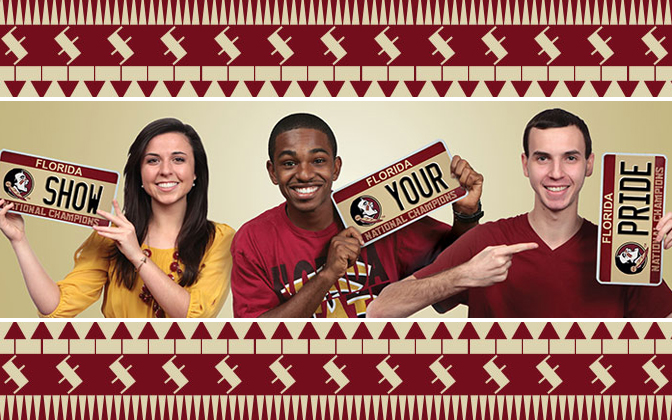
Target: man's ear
point(524, 160)
point(337, 168)
point(271, 172)
point(590, 164)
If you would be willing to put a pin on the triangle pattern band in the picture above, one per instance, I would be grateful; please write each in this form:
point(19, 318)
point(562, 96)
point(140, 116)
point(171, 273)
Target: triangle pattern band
point(318, 407)
point(335, 12)
point(407, 88)
point(567, 331)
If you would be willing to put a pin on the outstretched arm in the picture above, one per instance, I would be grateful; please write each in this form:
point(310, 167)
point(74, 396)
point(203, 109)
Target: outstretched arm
point(43, 291)
point(404, 298)
point(343, 252)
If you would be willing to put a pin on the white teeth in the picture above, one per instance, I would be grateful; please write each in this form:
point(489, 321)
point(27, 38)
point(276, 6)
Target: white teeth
point(306, 190)
point(555, 189)
point(167, 184)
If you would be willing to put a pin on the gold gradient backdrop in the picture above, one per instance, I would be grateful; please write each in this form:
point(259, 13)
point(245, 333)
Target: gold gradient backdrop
point(370, 134)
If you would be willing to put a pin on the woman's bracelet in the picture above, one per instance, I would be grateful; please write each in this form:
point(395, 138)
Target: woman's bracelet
point(142, 261)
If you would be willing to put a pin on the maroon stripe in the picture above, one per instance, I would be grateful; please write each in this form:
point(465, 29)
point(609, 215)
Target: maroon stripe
point(53, 166)
point(419, 157)
point(657, 253)
point(608, 168)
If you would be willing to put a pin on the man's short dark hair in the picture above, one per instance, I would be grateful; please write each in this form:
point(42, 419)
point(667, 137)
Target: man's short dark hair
point(556, 118)
point(296, 121)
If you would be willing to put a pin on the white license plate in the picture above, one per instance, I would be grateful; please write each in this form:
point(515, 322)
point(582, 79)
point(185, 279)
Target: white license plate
point(632, 203)
point(51, 189)
point(399, 194)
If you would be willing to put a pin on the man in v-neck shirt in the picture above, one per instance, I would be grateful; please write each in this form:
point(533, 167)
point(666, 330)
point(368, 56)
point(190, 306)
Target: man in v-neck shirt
point(538, 264)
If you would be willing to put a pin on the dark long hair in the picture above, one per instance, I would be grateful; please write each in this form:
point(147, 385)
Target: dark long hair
point(196, 232)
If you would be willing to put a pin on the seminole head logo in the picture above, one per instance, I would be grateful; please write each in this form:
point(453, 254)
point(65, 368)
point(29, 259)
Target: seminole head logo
point(365, 210)
point(18, 183)
point(631, 258)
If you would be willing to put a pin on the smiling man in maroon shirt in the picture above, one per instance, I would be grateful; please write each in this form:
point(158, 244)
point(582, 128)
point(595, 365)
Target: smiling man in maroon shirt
point(538, 264)
point(297, 260)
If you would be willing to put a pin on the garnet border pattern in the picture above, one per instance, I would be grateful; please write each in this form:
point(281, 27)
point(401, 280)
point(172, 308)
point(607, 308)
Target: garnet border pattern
point(329, 370)
point(335, 48)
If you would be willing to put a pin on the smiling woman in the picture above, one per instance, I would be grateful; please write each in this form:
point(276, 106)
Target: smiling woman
point(168, 169)
point(160, 257)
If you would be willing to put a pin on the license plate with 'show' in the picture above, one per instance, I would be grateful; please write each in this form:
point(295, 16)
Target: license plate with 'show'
point(632, 203)
point(56, 190)
point(399, 194)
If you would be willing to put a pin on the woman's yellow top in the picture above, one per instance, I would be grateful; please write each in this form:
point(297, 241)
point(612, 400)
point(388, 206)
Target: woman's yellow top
point(93, 274)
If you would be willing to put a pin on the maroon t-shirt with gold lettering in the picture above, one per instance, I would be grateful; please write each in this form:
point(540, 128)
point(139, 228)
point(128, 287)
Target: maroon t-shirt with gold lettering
point(272, 259)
